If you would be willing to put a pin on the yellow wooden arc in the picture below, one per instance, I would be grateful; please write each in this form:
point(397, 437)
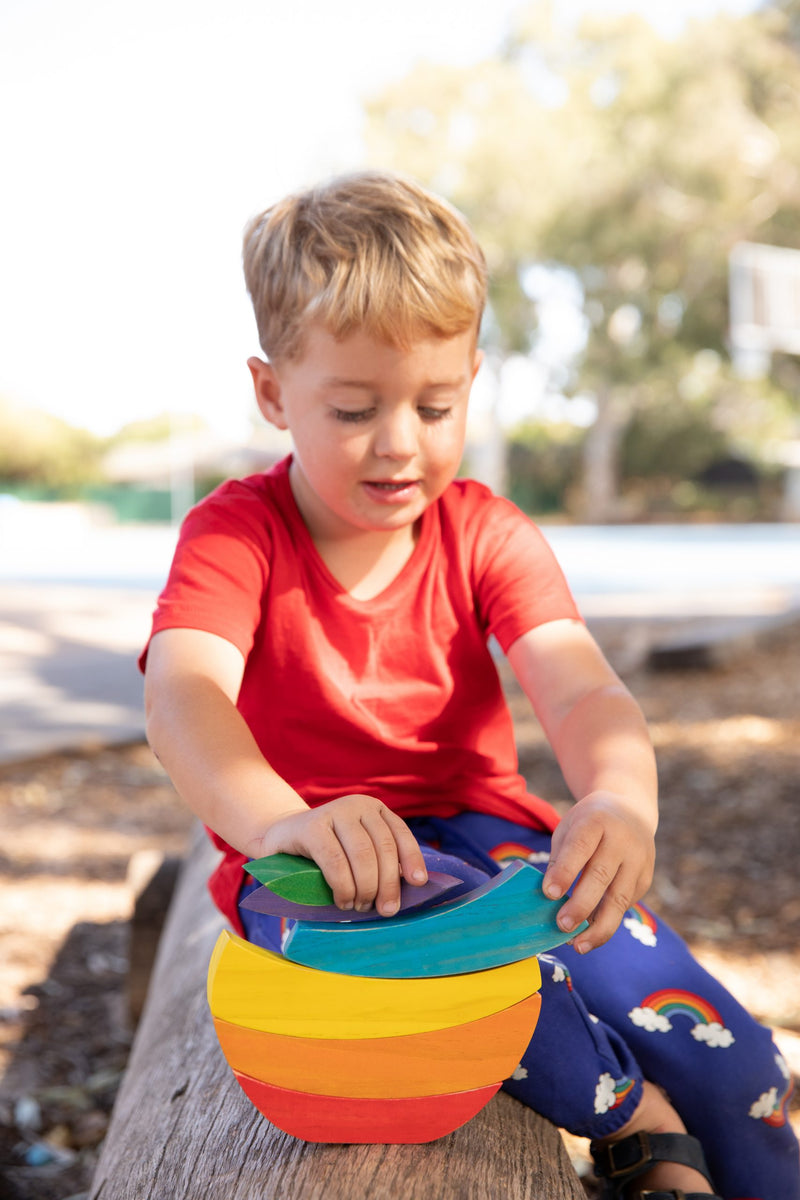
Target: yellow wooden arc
point(457, 1059)
point(250, 986)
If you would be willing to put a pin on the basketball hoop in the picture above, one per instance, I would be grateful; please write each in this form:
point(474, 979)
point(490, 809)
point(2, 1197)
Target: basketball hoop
point(765, 318)
point(764, 304)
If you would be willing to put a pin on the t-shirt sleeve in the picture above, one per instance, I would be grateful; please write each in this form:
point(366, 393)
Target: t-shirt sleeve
point(517, 581)
point(219, 571)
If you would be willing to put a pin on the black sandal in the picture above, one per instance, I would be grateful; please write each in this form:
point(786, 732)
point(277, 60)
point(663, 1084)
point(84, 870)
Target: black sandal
point(619, 1163)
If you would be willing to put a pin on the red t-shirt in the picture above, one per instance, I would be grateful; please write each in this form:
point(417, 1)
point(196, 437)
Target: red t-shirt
point(398, 696)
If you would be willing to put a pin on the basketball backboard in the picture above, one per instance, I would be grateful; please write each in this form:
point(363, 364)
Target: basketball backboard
point(764, 302)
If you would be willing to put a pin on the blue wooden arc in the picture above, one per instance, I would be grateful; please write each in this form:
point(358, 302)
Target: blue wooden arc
point(505, 920)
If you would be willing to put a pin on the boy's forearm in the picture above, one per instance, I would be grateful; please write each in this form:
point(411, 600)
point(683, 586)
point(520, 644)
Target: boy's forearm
point(602, 744)
point(215, 764)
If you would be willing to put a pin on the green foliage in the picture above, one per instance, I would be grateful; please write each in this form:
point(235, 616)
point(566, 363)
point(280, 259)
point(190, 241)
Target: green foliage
point(680, 444)
point(159, 428)
point(543, 465)
point(40, 451)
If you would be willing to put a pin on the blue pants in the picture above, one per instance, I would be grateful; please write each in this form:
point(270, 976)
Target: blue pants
point(639, 1008)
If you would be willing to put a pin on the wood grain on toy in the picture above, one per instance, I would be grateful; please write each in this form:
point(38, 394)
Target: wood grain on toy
point(506, 919)
point(265, 900)
point(355, 1119)
point(261, 990)
point(459, 1058)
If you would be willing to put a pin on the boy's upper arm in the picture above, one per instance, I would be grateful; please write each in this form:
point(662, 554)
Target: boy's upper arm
point(558, 663)
point(180, 653)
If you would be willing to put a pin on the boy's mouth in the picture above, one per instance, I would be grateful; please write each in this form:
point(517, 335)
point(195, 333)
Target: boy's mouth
point(391, 489)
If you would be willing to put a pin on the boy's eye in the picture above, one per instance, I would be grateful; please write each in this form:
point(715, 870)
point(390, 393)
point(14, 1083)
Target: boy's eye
point(353, 415)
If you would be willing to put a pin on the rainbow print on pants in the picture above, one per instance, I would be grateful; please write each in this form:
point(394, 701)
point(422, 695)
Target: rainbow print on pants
point(656, 1012)
point(771, 1105)
point(641, 924)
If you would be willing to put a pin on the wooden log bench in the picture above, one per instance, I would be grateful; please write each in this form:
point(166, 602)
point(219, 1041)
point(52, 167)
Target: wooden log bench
point(182, 1129)
point(705, 643)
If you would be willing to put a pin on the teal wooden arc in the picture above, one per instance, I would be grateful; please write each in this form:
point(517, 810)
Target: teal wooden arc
point(506, 919)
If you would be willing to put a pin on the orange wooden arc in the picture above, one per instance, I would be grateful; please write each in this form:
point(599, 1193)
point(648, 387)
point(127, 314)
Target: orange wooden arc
point(459, 1058)
point(348, 1119)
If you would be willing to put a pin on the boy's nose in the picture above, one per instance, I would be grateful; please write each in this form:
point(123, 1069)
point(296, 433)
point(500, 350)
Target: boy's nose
point(396, 436)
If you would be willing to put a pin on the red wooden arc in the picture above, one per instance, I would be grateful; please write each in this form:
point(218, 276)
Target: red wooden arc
point(356, 1119)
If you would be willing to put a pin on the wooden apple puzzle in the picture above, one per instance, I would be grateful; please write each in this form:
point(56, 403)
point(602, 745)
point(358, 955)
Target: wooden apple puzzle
point(372, 1029)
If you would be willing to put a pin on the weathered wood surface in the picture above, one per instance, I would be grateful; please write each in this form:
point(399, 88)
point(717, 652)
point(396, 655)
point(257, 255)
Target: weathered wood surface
point(182, 1129)
point(151, 879)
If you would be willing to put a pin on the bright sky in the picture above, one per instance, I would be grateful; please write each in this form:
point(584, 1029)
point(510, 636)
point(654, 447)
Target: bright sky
point(138, 137)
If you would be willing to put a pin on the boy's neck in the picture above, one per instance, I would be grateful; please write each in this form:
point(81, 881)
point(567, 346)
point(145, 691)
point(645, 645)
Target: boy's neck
point(363, 561)
point(365, 564)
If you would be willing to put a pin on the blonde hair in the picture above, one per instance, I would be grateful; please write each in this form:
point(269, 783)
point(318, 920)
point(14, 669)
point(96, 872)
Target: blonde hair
point(370, 251)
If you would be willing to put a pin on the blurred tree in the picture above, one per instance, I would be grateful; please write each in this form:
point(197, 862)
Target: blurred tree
point(38, 450)
point(159, 428)
point(636, 162)
point(543, 465)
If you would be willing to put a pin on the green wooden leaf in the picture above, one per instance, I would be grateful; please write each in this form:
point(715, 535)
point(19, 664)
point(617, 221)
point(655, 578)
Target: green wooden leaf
point(293, 877)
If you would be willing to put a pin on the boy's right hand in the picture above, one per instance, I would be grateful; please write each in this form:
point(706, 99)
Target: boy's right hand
point(362, 848)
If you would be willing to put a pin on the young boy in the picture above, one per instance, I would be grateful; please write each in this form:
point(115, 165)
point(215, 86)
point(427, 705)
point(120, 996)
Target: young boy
point(318, 682)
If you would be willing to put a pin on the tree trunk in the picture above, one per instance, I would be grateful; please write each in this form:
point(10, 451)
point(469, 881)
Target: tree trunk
point(600, 499)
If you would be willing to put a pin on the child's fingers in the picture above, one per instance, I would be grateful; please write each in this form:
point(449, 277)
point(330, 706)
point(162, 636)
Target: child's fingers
point(361, 847)
point(407, 853)
point(568, 857)
point(377, 867)
point(372, 856)
point(375, 864)
point(324, 846)
point(610, 882)
point(605, 855)
point(371, 871)
point(334, 837)
point(605, 917)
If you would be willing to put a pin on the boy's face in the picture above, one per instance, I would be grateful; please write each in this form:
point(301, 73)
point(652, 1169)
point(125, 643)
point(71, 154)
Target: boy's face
point(378, 431)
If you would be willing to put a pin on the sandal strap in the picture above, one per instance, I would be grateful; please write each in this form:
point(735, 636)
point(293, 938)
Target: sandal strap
point(675, 1194)
point(622, 1161)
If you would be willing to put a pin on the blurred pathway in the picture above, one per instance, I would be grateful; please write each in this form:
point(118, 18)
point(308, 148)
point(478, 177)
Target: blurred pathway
point(75, 605)
point(76, 598)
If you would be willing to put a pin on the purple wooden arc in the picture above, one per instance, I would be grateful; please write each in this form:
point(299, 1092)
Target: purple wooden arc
point(412, 896)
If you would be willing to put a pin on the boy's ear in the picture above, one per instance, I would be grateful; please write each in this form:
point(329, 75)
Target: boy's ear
point(268, 391)
point(479, 357)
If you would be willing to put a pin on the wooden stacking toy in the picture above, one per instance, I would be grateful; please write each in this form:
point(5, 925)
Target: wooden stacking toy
point(393, 1029)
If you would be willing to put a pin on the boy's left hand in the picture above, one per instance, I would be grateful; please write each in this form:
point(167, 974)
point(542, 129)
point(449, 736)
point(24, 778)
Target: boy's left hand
point(604, 844)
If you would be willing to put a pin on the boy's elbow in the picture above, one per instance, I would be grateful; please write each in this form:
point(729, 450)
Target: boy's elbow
point(153, 720)
point(151, 728)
